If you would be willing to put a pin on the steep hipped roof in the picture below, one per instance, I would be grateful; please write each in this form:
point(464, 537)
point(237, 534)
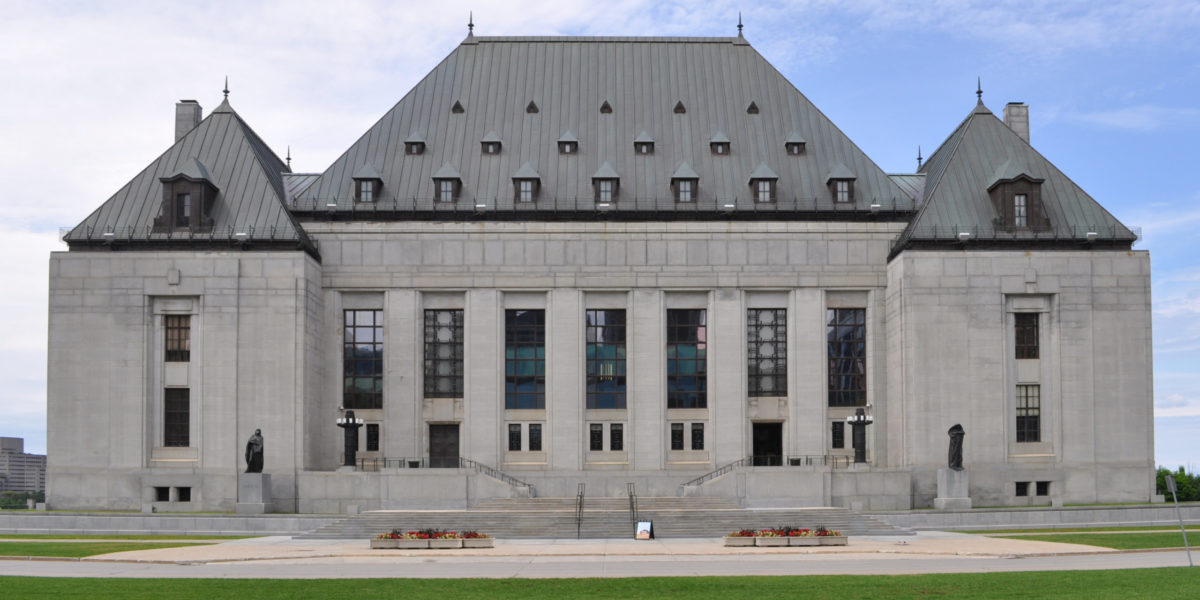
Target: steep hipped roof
point(959, 174)
point(224, 151)
point(642, 79)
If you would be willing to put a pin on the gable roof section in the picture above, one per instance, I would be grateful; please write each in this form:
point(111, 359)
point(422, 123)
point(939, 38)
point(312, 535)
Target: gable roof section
point(643, 79)
point(226, 152)
point(981, 151)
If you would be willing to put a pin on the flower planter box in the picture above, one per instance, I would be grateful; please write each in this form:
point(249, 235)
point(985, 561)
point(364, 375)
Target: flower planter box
point(804, 541)
point(445, 543)
point(770, 541)
point(832, 540)
point(739, 540)
point(385, 544)
point(412, 544)
point(478, 542)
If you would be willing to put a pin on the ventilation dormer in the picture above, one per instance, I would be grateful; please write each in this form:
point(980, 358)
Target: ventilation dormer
point(447, 184)
point(414, 144)
point(643, 144)
point(188, 196)
point(841, 184)
point(794, 144)
point(764, 184)
point(568, 143)
point(606, 185)
point(526, 184)
point(685, 184)
point(719, 144)
point(490, 143)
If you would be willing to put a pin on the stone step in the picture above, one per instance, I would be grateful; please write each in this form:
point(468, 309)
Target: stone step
point(603, 518)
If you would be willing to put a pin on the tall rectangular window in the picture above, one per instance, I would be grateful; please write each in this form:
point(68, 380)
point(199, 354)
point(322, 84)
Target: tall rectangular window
point(604, 191)
point(535, 437)
point(525, 190)
point(616, 437)
point(514, 437)
point(183, 210)
point(366, 190)
point(683, 190)
point(176, 417)
point(677, 436)
point(596, 437)
point(444, 353)
point(1020, 214)
point(373, 437)
point(763, 187)
point(1026, 330)
point(766, 351)
point(846, 333)
point(525, 359)
point(605, 358)
point(838, 435)
point(697, 436)
point(1029, 413)
point(687, 365)
point(178, 337)
point(842, 189)
point(362, 359)
point(445, 190)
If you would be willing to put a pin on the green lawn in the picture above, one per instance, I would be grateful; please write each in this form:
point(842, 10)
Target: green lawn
point(1119, 541)
point(1163, 584)
point(79, 549)
point(104, 536)
point(1079, 529)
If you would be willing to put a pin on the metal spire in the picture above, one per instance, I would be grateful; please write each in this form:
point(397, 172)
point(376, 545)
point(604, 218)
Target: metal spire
point(979, 89)
point(226, 90)
point(471, 24)
point(289, 157)
point(919, 159)
point(739, 23)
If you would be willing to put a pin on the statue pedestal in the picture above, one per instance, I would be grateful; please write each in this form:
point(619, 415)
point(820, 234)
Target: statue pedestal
point(254, 494)
point(952, 490)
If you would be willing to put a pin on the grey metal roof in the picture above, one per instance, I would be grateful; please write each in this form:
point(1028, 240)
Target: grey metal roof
point(762, 171)
point(980, 150)
point(643, 137)
point(719, 138)
point(224, 150)
point(414, 138)
point(192, 169)
point(526, 172)
point(839, 171)
point(642, 79)
point(447, 172)
point(294, 183)
point(367, 171)
point(912, 184)
point(684, 172)
point(491, 136)
point(605, 172)
point(568, 136)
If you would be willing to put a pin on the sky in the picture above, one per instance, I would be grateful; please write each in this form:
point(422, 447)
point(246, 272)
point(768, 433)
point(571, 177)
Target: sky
point(88, 93)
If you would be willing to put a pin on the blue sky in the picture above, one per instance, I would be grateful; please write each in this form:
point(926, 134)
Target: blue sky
point(89, 92)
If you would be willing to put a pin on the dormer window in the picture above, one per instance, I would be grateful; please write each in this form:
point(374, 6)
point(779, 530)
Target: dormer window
point(643, 144)
point(794, 144)
point(606, 185)
point(367, 183)
point(365, 190)
point(447, 184)
point(526, 184)
point(685, 184)
point(568, 143)
point(491, 143)
point(843, 191)
point(719, 144)
point(188, 196)
point(763, 184)
point(413, 148)
point(1017, 197)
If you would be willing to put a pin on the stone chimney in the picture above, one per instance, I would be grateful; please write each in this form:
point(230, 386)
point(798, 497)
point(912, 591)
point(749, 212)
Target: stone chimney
point(1016, 116)
point(187, 117)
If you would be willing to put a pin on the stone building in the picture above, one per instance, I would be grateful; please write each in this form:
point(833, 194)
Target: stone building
point(607, 261)
point(20, 472)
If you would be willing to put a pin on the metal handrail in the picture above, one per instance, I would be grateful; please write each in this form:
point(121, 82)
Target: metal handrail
point(546, 204)
point(715, 473)
point(495, 473)
point(833, 461)
point(633, 511)
point(579, 511)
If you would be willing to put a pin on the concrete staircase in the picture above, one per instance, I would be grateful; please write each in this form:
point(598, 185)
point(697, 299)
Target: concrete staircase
point(602, 518)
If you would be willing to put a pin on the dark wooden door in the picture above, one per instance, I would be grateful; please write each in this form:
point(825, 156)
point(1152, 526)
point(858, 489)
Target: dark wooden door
point(768, 444)
point(443, 446)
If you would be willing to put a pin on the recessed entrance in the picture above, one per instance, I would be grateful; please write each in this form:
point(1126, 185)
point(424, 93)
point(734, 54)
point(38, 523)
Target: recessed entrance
point(768, 444)
point(443, 446)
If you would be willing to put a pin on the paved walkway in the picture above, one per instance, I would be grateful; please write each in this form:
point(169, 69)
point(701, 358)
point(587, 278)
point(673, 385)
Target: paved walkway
point(284, 557)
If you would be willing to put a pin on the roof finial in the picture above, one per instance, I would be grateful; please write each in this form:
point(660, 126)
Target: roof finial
point(979, 89)
point(289, 157)
point(919, 159)
point(226, 90)
point(739, 23)
point(471, 24)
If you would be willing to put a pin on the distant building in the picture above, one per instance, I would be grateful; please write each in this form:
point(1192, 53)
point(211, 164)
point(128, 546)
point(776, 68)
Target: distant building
point(21, 472)
point(599, 260)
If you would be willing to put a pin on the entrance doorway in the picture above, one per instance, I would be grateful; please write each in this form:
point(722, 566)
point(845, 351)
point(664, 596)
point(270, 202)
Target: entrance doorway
point(768, 444)
point(443, 446)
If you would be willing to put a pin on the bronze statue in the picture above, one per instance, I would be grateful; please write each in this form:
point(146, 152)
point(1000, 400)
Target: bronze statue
point(254, 453)
point(956, 447)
